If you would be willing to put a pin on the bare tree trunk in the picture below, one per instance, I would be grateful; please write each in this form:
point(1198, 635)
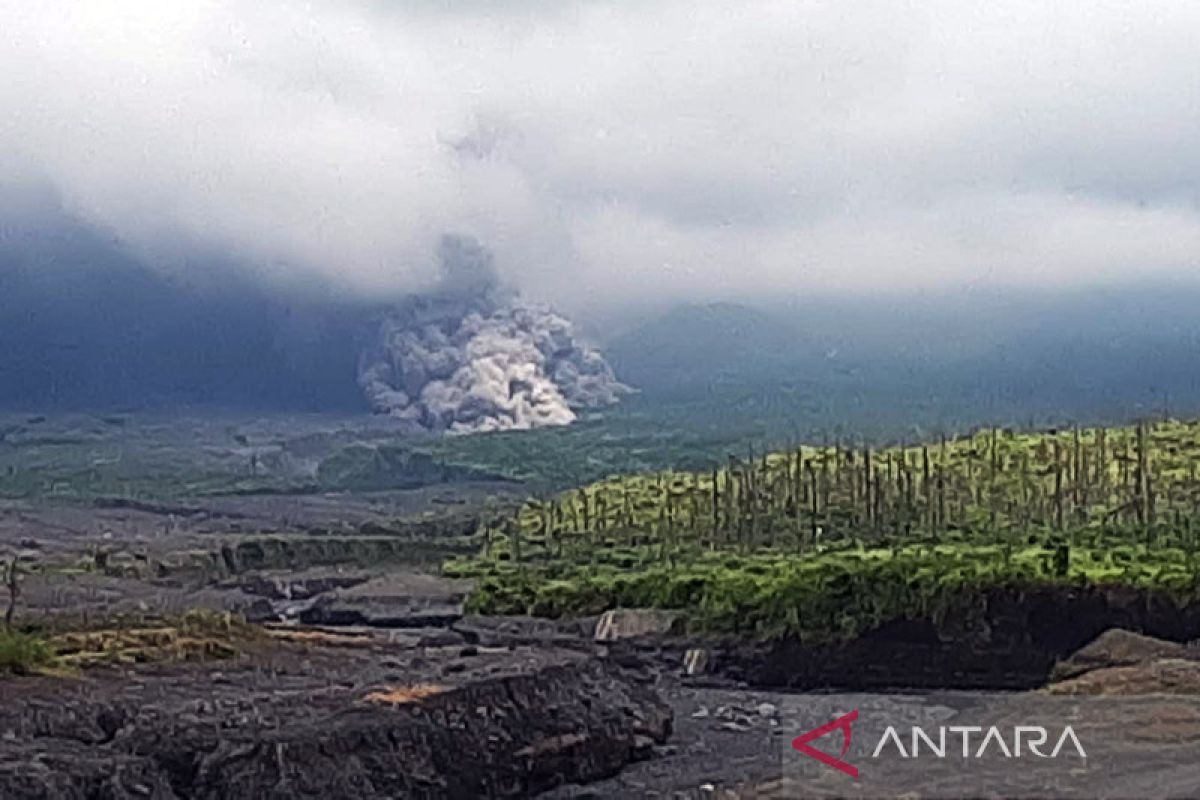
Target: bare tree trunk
point(869, 499)
point(927, 488)
point(1143, 477)
point(1058, 485)
point(14, 592)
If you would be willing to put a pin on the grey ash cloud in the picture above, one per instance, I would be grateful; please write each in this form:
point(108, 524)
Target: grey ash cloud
point(470, 355)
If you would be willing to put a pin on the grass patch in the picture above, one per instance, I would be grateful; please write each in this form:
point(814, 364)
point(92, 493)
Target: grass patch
point(825, 542)
point(196, 635)
point(821, 597)
point(24, 653)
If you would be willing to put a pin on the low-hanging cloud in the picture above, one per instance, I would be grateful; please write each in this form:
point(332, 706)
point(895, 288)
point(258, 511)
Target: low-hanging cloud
point(612, 151)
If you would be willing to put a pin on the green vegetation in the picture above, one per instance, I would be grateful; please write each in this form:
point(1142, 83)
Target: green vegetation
point(83, 458)
point(61, 645)
point(819, 596)
point(361, 467)
point(621, 442)
point(826, 541)
point(1141, 482)
point(23, 653)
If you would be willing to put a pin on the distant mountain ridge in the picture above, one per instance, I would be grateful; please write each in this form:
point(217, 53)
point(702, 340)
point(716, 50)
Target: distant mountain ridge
point(697, 345)
point(86, 324)
point(881, 370)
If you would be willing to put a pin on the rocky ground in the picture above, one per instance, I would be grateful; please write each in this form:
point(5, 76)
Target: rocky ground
point(488, 707)
point(1134, 702)
point(329, 716)
point(262, 556)
point(359, 675)
point(70, 528)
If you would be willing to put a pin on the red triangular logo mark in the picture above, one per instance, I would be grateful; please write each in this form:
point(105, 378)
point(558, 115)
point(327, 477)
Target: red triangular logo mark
point(843, 723)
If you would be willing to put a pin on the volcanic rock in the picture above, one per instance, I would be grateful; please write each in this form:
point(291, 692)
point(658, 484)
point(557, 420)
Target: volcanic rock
point(511, 735)
point(1115, 648)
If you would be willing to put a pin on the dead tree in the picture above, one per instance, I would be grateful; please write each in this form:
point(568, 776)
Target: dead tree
point(12, 582)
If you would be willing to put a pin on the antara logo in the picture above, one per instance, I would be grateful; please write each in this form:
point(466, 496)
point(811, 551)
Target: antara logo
point(1024, 739)
point(843, 723)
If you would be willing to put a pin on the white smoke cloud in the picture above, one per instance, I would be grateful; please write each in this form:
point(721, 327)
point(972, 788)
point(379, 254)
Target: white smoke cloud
point(471, 356)
point(611, 152)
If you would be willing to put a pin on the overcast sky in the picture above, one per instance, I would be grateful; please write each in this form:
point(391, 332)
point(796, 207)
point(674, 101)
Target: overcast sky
point(608, 151)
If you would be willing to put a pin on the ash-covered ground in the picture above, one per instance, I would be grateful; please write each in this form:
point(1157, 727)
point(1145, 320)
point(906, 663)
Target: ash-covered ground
point(358, 672)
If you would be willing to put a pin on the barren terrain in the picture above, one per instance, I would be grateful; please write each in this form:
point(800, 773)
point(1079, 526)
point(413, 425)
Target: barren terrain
point(303, 643)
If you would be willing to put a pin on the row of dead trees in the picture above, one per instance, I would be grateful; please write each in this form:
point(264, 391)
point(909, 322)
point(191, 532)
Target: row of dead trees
point(989, 483)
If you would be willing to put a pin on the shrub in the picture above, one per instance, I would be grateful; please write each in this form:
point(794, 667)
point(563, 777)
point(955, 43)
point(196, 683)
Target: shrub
point(22, 653)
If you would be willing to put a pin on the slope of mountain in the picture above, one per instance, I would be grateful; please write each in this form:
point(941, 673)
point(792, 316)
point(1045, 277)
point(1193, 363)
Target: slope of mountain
point(84, 323)
point(696, 346)
point(904, 369)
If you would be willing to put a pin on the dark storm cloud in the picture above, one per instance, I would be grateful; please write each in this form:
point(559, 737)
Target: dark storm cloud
point(606, 151)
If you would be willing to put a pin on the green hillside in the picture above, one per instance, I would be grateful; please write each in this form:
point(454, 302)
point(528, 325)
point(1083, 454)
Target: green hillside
point(740, 547)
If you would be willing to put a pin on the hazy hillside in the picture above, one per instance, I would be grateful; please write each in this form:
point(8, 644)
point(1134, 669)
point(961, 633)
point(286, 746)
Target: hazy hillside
point(886, 370)
point(85, 324)
point(693, 347)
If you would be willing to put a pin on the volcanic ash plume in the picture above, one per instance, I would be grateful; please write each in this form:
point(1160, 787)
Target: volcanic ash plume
point(472, 356)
